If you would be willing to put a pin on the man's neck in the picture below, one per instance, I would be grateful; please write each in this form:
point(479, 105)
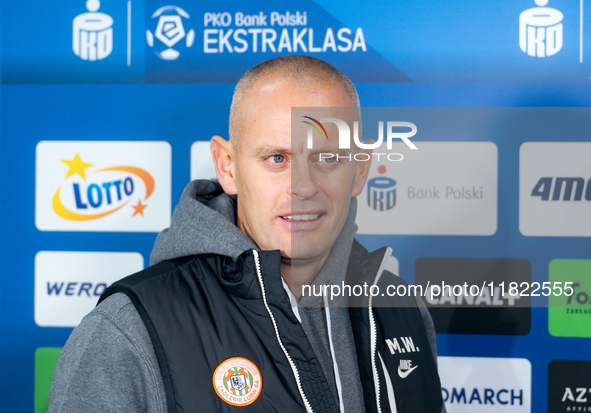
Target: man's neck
point(298, 273)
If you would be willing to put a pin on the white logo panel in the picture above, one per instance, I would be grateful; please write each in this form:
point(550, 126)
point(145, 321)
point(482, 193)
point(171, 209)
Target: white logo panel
point(69, 284)
point(201, 161)
point(485, 384)
point(444, 188)
point(102, 186)
point(555, 189)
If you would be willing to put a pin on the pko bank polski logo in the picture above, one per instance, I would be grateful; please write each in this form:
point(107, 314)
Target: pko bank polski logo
point(92, 37)
point(381, 191)
point(446, 188)
point(102, 186)
point(540, 30)
point(485, 384)
point(555, 189)
point(68, 284)
point(169, 32)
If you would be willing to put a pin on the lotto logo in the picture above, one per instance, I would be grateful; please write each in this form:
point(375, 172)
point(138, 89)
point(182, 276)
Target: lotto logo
point(102, 186)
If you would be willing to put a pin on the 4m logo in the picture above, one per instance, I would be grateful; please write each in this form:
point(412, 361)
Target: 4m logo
point(237, 381)
point(113, 188)
point(103, 186)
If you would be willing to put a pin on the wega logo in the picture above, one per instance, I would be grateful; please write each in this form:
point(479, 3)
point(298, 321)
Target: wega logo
point(345, 139)
point(103, 186)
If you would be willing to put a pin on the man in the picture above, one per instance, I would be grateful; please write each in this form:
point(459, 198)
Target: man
point(219, 323)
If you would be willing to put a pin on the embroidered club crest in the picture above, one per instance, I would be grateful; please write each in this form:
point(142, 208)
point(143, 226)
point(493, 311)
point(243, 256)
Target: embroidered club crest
point(237, 381)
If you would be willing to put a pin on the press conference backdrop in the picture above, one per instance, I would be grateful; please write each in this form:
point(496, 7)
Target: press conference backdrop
point(107, 107)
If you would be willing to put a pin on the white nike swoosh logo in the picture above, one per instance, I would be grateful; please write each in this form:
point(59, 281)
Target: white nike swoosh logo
point(403, 374)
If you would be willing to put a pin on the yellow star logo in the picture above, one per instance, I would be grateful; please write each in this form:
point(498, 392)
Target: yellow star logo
point(77, 166)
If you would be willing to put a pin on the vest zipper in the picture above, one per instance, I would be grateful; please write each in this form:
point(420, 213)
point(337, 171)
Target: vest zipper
point(373, 332)
point(294, 369)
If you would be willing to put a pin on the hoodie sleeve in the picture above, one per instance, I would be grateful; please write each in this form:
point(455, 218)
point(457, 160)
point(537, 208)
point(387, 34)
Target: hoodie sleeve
point(430, 328)
point(108, 364)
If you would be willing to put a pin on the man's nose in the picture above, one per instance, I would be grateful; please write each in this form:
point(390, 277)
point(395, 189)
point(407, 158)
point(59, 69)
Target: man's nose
point(303, 184)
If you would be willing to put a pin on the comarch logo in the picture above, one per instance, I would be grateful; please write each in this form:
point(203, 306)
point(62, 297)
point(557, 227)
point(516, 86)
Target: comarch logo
point(170, 31)
point(92, 37)
point(485, 384)
point(85, 186)
point(540, 30)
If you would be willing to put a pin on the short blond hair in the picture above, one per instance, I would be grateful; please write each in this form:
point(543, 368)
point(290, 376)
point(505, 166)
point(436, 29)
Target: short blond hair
point(303, 69)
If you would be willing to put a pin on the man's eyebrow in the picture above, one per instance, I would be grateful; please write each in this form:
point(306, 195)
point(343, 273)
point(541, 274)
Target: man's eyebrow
point(268, 150)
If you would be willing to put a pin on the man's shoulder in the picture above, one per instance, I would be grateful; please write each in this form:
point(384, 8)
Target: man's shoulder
point(159, 269)
point(118, 312)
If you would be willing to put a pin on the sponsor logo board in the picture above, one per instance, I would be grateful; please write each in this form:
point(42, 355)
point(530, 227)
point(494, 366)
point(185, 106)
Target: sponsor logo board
point(570, 316)
point(68, 284)
point(102, 186)
point(569, 386)
point(485, 384)
point(45, 361)
point(489, 311)
point(555, 189)
point(444, 188)
point(201, 161)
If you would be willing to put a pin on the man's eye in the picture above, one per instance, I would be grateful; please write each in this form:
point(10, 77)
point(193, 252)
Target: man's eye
point(277, 158)
point(327, 159)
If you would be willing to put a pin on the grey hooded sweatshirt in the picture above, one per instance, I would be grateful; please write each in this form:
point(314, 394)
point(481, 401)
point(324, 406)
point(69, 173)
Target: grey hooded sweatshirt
point(108, 364)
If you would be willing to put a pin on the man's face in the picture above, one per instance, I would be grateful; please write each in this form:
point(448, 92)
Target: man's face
point(288, 198)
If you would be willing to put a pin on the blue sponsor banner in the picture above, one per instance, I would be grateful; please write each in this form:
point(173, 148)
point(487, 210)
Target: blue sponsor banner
point(75, 41)
point(217, 43)
point(195, 42)
point(467, 41)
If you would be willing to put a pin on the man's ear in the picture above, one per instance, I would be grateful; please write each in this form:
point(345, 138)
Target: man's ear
point(224, 159)
point(362, 171)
